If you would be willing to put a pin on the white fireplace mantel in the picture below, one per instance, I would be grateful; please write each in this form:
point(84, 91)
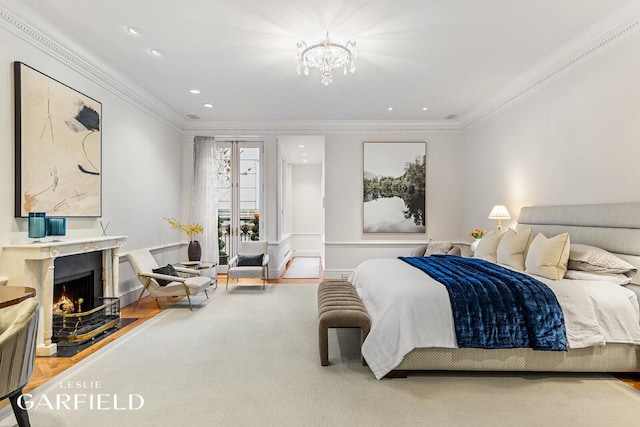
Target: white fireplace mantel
point(32, 264)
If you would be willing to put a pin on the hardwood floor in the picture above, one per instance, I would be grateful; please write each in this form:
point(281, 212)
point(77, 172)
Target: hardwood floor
point(49, 367)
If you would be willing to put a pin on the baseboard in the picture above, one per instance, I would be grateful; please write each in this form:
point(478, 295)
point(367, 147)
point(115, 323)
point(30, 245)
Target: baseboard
point(129, 297)
point(311, 254)
point(333, 274)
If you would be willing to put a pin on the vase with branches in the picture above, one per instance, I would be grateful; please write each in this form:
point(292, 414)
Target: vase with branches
point(191, 230)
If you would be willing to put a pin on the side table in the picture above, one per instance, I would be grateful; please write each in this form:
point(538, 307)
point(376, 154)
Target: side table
point(10, 295)
point(209, 269)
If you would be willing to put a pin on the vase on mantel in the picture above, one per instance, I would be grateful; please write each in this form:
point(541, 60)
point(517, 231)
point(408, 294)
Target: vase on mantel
point(194, 251)
point(474, 245)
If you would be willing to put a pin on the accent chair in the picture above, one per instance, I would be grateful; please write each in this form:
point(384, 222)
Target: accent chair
point(159, 284)
point(252, 261)
point(18, 330)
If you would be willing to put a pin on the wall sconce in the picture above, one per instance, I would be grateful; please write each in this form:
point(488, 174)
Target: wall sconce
point(499, 212)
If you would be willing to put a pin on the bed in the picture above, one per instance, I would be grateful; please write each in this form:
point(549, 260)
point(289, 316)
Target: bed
point(397, 294)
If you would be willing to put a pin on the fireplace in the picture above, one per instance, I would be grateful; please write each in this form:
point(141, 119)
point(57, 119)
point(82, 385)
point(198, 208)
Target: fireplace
point(32, 264)
point(78, 277)
point(80, 311)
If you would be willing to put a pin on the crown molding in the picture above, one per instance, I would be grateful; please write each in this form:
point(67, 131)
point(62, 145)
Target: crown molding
point(619, 26)
point(325, 127)
point(71, 55)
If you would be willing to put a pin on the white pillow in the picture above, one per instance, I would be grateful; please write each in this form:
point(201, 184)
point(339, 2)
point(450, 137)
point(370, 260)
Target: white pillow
point(548, 257)
point(591, 258)
point(617, 278)
point(513, 247)
point(437, 247)
point(488, 246)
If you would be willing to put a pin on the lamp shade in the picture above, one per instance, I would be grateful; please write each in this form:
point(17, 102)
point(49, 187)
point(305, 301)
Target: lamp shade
point(499, 212)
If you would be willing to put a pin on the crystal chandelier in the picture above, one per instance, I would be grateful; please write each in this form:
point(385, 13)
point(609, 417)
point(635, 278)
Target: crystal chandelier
point(326, 56)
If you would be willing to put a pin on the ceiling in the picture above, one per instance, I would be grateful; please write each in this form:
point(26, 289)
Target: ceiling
point(449, 56)
point(298, 149)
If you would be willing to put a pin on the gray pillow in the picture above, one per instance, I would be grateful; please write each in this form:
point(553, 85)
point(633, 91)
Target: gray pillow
point(455, 250)
point(250, 260)
point(591, 258)
point(168, 270)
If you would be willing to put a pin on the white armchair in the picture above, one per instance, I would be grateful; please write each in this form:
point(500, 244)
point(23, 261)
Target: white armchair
point(252, 261)
point(18, 329)
point(143, 265)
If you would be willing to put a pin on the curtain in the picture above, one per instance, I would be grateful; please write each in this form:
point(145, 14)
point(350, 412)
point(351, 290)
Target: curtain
point(204, 203)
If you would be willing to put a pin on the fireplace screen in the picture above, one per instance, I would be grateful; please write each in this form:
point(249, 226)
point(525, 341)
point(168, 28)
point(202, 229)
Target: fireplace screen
point(82, 326)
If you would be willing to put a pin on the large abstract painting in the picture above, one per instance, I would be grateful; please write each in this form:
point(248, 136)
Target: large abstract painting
point(394, 186)
point(58, 147)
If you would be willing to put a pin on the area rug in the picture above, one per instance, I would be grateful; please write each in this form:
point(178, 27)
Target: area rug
point(250, 358)
point(303, 268)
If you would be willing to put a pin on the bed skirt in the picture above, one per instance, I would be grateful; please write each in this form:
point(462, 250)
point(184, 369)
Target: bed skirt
point(609, 358)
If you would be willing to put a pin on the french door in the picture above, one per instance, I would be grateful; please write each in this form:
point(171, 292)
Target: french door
point(240, 194)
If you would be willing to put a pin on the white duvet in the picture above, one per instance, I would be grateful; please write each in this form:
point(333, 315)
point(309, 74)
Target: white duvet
point(409, 309)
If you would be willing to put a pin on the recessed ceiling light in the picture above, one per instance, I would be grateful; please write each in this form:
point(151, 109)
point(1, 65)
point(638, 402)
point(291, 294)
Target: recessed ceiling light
point(156, 52)
point(304, 154)
point(301, 146)
point(195, 91)
point(135, 31)
point(207, 105)
point(425, 108)
point(390, 108)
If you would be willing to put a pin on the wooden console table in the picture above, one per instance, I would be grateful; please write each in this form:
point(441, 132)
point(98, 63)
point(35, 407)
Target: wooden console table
point(10, 295)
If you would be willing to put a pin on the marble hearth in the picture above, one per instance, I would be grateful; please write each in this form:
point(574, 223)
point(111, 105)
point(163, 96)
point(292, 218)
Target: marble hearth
point(32, 264)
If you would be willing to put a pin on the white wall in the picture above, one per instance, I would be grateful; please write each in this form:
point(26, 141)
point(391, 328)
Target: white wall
point(574, 140)
point(306, 209)
point(141, 178)
point(345, 243)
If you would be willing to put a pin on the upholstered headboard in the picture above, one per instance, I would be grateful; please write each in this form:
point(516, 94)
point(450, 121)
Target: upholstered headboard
point(614, 227)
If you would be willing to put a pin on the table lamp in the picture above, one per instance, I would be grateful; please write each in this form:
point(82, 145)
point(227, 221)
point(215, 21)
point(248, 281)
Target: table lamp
point(499, 212)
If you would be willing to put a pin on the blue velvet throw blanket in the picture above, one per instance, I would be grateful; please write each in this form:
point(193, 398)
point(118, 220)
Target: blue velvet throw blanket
point(494, 307)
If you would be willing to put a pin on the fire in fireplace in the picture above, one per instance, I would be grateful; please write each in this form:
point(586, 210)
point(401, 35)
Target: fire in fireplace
point(79, 310)
point(69, 296)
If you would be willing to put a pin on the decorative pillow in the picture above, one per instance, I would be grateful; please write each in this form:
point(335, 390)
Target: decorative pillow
point(250, 260)
point(455, 250)
point(437, 247)
point(617, 278)
point(513, 247)
point(591, 258)
point(168, 270)
point(488, 247)
point(547, 257)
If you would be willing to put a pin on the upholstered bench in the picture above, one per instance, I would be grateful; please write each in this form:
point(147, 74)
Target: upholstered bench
point(339, 306)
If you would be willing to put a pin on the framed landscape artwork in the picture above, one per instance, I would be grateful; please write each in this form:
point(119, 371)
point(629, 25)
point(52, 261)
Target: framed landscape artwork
point(58, 147)
point(395, 189)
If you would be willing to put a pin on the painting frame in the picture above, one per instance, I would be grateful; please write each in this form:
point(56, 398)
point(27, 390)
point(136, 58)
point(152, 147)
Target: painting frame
point(394, 187)
point(58, 147)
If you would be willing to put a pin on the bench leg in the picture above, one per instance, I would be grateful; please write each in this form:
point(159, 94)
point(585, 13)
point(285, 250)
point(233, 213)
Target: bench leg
point(363, 335)
point(323, 344)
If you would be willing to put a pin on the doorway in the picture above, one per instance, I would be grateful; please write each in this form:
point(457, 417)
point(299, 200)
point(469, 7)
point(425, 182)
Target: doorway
point(301, 190)
point(239, 189)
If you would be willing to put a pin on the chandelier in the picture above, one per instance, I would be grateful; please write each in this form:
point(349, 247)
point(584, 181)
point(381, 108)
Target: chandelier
point(326, 56)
